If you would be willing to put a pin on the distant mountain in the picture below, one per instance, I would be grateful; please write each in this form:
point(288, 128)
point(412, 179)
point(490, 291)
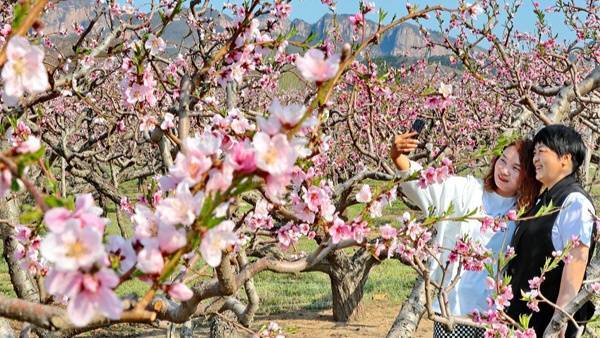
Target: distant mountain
point(403, 42)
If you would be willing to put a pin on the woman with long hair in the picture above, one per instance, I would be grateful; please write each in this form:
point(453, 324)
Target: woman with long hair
point(510, 184)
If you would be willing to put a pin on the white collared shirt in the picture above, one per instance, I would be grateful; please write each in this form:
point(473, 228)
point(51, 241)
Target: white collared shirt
point(574, 219)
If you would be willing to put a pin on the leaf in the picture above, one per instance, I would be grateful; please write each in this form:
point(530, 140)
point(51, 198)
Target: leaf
point(382, 15)
point(19, 14)
point(293, 31)
point(31, 216)
point(312, 36)
point(524, 320)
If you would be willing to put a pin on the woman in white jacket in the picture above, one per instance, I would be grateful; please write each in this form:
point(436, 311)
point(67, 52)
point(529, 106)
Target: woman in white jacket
point(510, 184)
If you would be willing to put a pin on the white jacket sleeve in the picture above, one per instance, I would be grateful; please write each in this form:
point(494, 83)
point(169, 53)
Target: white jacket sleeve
point(437, 197)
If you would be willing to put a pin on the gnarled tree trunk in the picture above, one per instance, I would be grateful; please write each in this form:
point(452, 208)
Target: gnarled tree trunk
point(348, 276)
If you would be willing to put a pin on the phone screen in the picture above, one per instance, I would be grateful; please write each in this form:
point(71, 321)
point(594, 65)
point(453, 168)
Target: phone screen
point(418, 125)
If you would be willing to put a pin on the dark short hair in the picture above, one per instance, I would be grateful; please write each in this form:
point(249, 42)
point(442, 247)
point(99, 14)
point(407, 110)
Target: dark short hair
point(563, 140)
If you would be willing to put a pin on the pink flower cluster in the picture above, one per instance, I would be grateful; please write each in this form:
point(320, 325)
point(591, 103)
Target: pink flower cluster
point(134, 92)
point(501, 295)
point(433, 175)
point(384, 199)
point(290, 234)
point(495, 224)
point(27, 251)
point(21, 139)
point(470, 254)
point(442, 99)
point(260, 218)
point(339, 230)
point(314, 201)
point(79, 266)
point(409, 240)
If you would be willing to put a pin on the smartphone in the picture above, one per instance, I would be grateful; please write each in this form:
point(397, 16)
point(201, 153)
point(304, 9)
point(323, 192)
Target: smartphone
point(418, 125)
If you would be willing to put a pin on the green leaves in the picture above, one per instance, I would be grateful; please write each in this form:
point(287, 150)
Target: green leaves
point(56, 202)
point(546, 209)
point(20, 13)
point(524, 320)
point(503, 141)
point(31, 215)
point(28, 159)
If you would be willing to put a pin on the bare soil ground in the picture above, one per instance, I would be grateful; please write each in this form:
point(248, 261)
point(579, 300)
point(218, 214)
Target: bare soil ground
point(374, 321)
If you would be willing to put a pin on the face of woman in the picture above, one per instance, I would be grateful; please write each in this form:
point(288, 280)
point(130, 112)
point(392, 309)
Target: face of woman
point(507, 172)
point(549, 167)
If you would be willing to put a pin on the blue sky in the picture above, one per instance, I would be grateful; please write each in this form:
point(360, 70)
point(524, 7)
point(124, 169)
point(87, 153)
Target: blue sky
point(312, 10)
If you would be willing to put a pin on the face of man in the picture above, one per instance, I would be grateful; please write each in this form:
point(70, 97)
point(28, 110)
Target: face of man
point(549, 167)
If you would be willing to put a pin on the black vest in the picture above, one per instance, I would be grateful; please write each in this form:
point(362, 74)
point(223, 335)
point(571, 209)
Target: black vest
point(532, 242)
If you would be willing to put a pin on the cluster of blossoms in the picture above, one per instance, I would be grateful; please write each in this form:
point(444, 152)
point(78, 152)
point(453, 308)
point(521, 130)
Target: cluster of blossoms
point(340, 230)
point(433, 175)
point(252, 44)
point(260, 218)
point(27, 251)
point(290, 234)
point(384, 199)
point(312, 202)
point(471, 254)
point(501, 294)
point(531, 296)
point(492, 318)
point(21, 141)
point(80, 271)
point(136, 92)
point(358, 19)
point(410, 240)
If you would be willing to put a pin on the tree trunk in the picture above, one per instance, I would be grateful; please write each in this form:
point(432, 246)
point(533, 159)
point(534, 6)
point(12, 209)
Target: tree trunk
point(222, 328)
point(5, 330)
point(411, 312)
point(348, 276)
point(21, 281)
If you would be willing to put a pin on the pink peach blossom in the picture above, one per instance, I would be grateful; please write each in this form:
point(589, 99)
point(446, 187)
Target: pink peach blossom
point(180, 291)
point(315, 67)
point(150, 259)
point(74, 247)
point(182, 208)
point(216, 240)
point(24, 70)
point(364, 195)
point(274, 154)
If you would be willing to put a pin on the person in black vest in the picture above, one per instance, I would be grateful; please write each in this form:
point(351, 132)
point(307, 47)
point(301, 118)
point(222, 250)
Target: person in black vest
point(559, 152)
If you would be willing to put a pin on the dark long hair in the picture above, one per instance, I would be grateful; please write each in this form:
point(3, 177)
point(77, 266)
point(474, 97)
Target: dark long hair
point(529, 187)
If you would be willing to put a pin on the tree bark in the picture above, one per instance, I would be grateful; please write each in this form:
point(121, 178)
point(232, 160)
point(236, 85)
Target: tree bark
point(21, 281)
point(412, 311)
point(348, 276)
point(5, 330)
point(223, 328)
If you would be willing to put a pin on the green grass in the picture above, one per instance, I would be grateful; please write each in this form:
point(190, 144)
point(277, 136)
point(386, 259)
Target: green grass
point(312, 290)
